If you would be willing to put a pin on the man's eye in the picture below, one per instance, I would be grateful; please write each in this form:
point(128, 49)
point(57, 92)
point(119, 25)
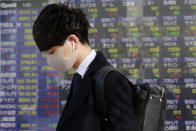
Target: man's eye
point(52, 52)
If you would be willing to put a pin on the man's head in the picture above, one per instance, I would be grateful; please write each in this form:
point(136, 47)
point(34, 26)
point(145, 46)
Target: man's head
point(56, 22)
point(59, 26)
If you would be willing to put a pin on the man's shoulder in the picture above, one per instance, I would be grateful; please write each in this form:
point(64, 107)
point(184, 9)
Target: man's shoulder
point(115, 79)
point(116, 76)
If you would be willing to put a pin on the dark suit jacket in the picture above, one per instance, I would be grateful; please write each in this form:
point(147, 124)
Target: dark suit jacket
point(80, 113)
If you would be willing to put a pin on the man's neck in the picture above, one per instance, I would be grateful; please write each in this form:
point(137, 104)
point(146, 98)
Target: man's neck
point(82, 54)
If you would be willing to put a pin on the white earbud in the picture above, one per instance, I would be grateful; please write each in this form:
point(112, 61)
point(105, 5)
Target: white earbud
point(73, 45)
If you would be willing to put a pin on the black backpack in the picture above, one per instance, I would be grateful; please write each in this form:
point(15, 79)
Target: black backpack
point(149, 102)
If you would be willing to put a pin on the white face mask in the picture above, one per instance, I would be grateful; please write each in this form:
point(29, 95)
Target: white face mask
point(58, 62)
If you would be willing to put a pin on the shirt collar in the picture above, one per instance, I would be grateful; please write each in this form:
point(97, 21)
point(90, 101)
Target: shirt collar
point(83, 67)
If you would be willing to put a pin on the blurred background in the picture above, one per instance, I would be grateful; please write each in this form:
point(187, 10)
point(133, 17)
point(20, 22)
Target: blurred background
point(151, 41)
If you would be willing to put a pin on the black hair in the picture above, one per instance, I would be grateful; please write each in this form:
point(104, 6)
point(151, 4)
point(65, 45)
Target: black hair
point(56, 22)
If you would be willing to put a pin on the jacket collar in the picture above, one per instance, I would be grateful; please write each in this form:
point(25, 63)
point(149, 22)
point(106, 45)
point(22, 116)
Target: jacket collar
point(85, 84)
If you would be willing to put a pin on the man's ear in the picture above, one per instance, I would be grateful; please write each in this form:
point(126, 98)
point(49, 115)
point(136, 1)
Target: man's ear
point(73, 38)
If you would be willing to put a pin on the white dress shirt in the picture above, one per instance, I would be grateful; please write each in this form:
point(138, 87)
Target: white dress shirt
point(83, 67)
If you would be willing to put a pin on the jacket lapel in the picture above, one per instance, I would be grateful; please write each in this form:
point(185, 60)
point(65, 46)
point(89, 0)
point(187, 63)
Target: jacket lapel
point(75, 101)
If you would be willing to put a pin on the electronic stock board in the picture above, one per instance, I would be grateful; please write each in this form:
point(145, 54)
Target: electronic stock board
point(151, 41)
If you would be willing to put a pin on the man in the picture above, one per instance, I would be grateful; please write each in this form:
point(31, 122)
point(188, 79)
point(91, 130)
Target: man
point(62, 33)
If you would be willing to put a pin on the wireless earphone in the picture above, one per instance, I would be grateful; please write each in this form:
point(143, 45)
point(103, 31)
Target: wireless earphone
point(73, 42)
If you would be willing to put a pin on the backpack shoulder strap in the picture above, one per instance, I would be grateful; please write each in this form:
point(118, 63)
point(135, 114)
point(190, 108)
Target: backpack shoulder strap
point(99, 92)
